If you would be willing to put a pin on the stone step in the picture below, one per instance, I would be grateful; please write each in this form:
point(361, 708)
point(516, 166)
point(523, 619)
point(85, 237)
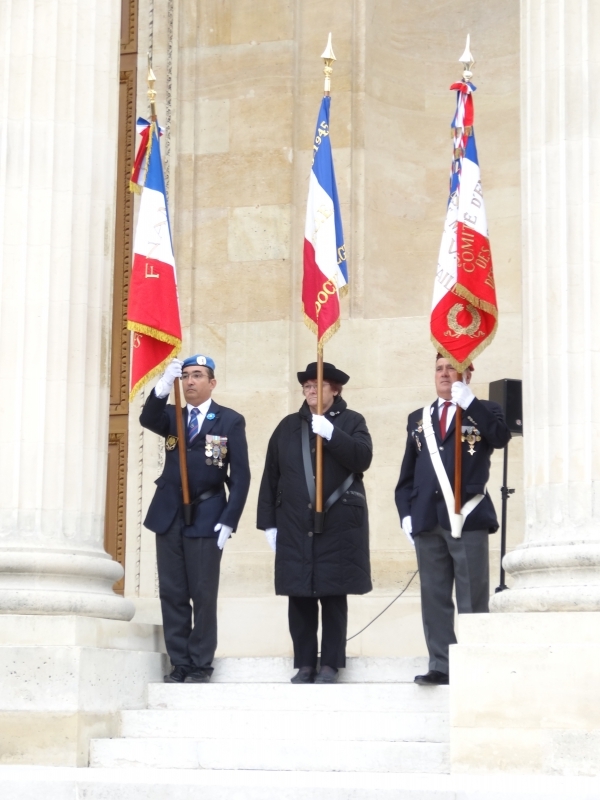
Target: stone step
point(283, 725)
point(277, 755)
point(280, 670)
point(74, 783)
point(260, 697)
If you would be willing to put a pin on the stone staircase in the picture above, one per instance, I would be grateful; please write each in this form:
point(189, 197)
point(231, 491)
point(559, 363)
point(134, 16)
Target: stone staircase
point(250, 717)
point(251, 735)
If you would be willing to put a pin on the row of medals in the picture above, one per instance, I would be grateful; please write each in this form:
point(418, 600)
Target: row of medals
point(215, 450)
point(470, 435)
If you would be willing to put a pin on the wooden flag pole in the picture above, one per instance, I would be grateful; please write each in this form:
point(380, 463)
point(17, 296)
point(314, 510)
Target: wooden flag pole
point(319, 451)
point(328, 59)
point(458, 456)
point(467, 60)
point(181, 438)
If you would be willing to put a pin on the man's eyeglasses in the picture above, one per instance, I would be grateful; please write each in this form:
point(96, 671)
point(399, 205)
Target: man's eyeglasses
point(193, 376)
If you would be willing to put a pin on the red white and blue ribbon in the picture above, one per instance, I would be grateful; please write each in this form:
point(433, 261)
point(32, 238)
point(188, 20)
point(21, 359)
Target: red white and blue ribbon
point(325, 277)
point(138, 171)
point(464, 313)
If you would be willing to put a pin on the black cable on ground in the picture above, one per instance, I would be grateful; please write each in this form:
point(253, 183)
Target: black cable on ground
point(386, 608)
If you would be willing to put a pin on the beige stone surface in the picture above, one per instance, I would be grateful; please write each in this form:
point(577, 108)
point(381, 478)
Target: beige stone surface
point(522, 693)
point(213, 133)
point(259, 233)
point(64, 678)
point(51, 739)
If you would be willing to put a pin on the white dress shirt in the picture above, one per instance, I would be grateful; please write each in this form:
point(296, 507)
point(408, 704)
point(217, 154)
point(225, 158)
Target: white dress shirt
point(450, 412)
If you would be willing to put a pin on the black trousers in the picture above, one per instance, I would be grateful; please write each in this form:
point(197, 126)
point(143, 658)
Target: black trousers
point(188, 569)
point(303, 615)
point(443, 562)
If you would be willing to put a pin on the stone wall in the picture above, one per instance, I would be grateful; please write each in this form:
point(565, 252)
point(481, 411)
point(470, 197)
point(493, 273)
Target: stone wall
point(246, 82)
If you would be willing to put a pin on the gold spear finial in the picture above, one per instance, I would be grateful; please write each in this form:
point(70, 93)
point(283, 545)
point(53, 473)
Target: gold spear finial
point(328, 57)
point(151, 90)
point(467, 60)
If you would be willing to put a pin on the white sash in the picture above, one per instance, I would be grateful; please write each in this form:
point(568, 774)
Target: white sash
point(456, 520)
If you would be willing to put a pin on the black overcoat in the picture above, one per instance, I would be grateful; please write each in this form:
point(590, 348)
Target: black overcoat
point(418, 493)
point(159, 417)
point(335, 562)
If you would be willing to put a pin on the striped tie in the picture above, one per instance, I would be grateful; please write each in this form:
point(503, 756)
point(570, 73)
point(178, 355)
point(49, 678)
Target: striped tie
point(193, 428)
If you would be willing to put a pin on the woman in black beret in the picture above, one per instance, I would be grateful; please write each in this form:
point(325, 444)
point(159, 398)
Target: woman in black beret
point(323, 568)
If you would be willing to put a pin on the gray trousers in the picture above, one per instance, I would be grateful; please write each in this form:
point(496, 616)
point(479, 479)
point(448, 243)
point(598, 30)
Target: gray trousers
point(444, 561)
point(188, 569)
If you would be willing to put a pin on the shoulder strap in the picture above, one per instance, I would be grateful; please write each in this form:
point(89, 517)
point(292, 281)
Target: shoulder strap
point(310, 479)
point(307, 461)
point(335, 496)
point(456, 520)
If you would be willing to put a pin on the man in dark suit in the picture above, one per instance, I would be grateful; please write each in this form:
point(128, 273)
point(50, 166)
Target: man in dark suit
point(189, 557)
point(447, 557)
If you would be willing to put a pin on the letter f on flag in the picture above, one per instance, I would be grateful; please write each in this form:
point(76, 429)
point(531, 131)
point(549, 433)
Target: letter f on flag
point(153, 310)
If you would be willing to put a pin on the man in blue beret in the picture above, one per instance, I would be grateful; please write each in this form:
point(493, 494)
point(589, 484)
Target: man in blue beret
point(189, 556)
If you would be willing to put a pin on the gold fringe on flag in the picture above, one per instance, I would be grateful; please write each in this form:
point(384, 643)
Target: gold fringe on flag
point(461, 366)
point(160, 336)
point(327, 336)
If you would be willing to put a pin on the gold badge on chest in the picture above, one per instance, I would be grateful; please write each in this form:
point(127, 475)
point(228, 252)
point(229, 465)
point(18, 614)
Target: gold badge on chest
point(171, 443)
point(471, 435)
point(215, 450)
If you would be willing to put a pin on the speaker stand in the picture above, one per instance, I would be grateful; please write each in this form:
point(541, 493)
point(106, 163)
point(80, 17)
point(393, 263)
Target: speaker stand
point(506, 493)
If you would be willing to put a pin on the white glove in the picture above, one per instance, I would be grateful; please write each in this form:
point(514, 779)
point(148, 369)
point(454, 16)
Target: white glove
point(226, 532)
point(167, 379)
point(462, 394)
point(271, 534)
point(321, 426)
point(407, 528)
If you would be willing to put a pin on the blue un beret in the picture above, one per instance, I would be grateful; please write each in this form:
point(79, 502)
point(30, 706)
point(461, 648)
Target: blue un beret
point(199, 361)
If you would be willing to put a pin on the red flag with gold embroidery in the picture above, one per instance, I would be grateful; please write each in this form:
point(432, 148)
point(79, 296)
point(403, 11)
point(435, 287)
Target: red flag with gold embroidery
point(464, 314)
point(153, 309)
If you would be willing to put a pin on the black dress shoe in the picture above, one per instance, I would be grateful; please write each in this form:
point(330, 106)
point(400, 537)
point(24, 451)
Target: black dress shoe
point(304, 675)
point(198, 676)
point(178, 675)
point(433, 678)
point(327, 675)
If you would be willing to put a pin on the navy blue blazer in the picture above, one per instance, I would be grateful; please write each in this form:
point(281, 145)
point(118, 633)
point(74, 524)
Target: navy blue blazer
point(418, 493)
point(159, 418)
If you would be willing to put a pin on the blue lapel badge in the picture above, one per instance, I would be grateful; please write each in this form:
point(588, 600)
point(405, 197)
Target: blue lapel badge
point(210, 416)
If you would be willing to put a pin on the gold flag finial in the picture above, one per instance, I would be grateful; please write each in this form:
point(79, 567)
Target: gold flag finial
point(328, 57)
point(467, 60)
point(151, 90)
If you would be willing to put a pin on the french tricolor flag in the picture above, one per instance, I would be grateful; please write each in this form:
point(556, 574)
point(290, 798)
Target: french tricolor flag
point(464, 312)
point(325, 277)
point(153, 309)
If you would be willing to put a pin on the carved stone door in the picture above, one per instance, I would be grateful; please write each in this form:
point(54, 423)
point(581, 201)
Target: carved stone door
point(116, 496)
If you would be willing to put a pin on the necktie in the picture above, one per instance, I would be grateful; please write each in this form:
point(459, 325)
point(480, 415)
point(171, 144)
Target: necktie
point(444, 418)
point(193, 428)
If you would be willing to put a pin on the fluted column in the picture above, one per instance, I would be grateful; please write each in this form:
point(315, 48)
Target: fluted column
point(58, 109)
point(557, 568)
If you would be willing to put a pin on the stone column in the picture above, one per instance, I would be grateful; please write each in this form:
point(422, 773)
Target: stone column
point(520, 682)
point(557, 568)
point(58, 100)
